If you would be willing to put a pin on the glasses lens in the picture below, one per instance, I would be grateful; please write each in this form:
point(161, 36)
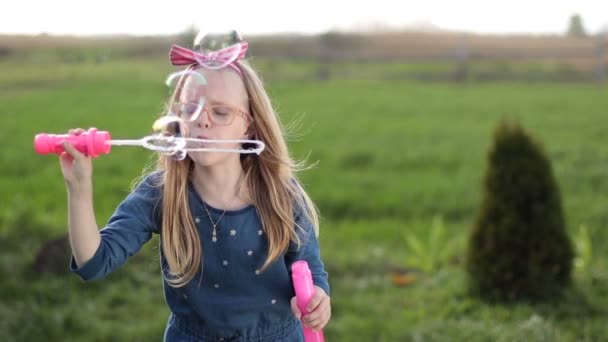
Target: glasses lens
point(221, 114)
point(189, 86)
point(187, 111)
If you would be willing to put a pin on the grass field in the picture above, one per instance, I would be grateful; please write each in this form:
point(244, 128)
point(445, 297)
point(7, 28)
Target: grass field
point(394, 157)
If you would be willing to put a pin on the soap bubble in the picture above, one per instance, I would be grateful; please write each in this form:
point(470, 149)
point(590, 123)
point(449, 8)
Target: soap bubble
point(188, 89)
point(168, 137)
point(218, 49)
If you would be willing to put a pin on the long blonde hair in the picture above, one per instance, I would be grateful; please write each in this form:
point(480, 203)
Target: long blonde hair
point(269, 177)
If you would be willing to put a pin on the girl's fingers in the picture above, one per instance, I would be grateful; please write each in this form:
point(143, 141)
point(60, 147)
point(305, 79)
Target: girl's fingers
point(316, 299)
point(71, 150)
point(319, 322)
point(66, 157)
point(76, 131)
point(295, 309)
point(318, 318)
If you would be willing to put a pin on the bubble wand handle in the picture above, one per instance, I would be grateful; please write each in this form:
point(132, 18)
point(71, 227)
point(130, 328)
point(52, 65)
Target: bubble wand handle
point(91, 143)
point(304, 289)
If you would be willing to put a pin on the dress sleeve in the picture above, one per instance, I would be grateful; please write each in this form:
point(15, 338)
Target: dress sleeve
point(131, 225)
point(308, 250)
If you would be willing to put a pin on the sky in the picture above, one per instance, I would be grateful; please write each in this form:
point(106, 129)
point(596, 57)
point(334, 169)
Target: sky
point(308, 17)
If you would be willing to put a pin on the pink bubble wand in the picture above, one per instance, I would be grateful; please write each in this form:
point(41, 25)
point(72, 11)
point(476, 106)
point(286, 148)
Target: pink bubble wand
point(304, 288)
point(94, 143)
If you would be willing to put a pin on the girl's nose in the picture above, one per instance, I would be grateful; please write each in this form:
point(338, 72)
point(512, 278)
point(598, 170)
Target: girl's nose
point(203, 120)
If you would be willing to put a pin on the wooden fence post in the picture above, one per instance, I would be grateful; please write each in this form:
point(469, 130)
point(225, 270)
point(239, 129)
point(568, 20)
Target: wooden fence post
point(600, 52)
point(462, 60)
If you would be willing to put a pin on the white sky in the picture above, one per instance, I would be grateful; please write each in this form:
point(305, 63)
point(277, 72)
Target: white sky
point(305, 16)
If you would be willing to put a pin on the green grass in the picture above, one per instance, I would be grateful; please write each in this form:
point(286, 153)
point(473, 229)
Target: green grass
point(392, 155)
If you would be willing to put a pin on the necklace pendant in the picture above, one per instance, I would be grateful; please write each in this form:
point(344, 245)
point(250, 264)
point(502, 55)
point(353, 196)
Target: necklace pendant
point(214, 236)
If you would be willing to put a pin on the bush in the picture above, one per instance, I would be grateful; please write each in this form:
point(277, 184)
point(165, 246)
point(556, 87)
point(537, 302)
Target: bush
point(519, 247)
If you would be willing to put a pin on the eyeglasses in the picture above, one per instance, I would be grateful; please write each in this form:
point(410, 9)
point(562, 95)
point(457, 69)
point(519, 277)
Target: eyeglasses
point(218, 114)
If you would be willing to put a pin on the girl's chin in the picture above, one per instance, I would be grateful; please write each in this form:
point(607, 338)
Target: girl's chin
point(208, 158)
point(204, 158)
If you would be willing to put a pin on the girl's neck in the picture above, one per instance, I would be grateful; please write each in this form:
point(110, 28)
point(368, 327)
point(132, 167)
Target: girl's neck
point(221, 186)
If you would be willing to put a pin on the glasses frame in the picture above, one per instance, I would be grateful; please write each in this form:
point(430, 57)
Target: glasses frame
point(206, 108)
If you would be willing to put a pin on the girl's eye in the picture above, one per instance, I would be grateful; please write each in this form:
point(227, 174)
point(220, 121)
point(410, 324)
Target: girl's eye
point(221, 111)
point(189, 108)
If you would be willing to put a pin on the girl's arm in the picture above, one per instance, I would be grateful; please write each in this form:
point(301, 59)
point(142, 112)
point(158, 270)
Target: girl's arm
point(77, 171)
point(97, 253)
point(128, 229)
point(83, 231)
point(308, 250)
point(319, 307)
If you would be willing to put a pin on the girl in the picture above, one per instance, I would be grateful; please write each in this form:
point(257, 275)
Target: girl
point(230, 225)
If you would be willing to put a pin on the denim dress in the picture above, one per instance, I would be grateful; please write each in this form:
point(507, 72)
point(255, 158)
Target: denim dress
point(230, 298)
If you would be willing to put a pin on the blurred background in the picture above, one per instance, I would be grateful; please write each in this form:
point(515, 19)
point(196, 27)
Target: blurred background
point(396, 103)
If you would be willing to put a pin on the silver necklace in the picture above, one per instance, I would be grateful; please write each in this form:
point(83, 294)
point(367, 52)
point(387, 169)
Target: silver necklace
point(214, 224)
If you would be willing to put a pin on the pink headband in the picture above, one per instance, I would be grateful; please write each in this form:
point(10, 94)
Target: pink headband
point(212, 60)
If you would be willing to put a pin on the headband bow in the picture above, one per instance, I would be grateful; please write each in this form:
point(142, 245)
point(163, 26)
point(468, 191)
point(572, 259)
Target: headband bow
point(212, 60)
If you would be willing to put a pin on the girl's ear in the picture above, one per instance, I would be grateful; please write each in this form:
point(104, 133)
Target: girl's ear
point(249, 132)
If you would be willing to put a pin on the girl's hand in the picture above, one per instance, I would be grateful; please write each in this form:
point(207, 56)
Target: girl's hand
point(319, 310)
point(77, 168)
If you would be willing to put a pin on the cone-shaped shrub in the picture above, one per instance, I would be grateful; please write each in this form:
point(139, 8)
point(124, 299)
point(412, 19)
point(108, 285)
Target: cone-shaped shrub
point(518, 247)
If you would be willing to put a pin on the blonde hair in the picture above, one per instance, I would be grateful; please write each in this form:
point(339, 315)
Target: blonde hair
point(269, 177)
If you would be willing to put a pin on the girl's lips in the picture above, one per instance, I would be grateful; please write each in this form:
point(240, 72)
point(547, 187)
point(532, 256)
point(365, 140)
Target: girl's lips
point(202, 143)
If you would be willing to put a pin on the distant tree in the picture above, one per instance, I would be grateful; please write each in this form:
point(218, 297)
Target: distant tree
point(575, 26)
point(519, 247)
point(187, 36)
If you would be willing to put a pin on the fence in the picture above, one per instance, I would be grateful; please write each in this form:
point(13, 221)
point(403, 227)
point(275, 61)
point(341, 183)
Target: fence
point(449, 56)
point(455, 57)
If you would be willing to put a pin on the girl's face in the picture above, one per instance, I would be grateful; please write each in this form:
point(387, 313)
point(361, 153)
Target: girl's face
point(225, 116)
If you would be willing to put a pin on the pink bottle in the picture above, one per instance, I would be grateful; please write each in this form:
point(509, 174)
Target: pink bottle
point(92, 143)
point(304, 288)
